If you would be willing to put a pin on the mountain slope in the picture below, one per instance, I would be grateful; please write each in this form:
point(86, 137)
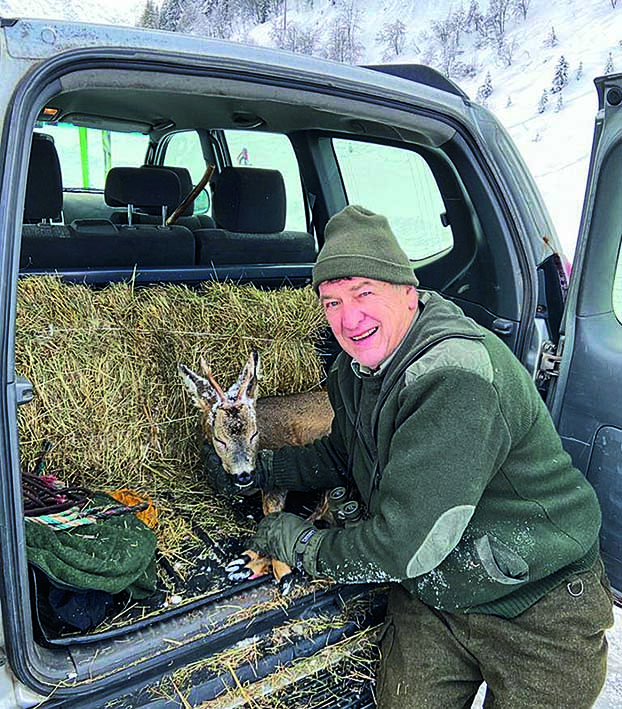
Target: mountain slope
point(555, 143)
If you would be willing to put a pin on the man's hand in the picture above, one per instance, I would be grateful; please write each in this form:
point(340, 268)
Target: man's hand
point(289, 538)
point(216, 475)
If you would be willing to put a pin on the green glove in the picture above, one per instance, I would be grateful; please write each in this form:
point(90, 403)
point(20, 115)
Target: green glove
point(215, 474)
point(289, 538)
point(224, 483)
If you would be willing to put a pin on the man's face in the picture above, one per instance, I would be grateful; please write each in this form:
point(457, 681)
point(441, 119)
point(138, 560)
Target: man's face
point(369, 318)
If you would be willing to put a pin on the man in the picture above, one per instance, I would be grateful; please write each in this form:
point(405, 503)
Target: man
point(474, 512)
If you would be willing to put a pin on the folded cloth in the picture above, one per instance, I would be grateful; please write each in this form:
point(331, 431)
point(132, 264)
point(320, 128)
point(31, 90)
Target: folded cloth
point(113, 554)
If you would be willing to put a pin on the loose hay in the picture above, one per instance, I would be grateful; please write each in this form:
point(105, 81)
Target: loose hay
point(108, 396)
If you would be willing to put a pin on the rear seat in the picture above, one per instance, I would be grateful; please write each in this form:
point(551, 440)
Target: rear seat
point(187, 219)
point(249, 207)
point(41, 238)
point(98, 243)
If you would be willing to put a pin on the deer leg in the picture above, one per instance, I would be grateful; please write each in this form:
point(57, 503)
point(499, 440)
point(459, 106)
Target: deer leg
point(322, 511)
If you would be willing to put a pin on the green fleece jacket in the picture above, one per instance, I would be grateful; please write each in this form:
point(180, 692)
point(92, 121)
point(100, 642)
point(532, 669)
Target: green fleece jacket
point(473, 505)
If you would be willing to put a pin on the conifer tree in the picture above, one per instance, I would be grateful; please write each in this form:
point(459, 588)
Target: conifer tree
point(485, 90)
point(170, 14)
point(560, 79)
point(551, 40)
point(150, 16)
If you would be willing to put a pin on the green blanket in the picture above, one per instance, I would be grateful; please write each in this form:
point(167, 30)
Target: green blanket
point(113, 554)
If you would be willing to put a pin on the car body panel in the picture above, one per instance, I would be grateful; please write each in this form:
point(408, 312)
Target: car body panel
point(586, 402)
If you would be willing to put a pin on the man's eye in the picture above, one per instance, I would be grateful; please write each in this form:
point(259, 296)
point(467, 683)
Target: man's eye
point(330, 304)
point(219, 441)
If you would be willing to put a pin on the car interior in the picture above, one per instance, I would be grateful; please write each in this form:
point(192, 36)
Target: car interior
point(259, 220)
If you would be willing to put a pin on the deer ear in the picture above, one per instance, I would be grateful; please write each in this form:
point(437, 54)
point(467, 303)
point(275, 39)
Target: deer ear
point(249, 378)
point(201, 390)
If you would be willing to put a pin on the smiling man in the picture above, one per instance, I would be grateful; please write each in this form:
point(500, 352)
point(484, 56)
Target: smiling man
point(474, 513)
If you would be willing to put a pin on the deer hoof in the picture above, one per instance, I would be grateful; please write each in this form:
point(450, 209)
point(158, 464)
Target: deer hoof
point(249, 566)
point(237, 570)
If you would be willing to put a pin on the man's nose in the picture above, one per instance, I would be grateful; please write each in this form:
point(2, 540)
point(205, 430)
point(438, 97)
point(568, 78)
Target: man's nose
point(351, 317)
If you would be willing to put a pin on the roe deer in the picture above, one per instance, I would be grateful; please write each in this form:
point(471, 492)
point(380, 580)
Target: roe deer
point(239, 425)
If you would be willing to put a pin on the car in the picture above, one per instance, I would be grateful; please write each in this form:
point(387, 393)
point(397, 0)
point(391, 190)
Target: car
point(146, 164)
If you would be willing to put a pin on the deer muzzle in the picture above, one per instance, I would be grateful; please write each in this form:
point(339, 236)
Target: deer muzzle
point(244, 480)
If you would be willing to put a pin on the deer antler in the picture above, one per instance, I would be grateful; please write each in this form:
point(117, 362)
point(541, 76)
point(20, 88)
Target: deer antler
point(210, 378)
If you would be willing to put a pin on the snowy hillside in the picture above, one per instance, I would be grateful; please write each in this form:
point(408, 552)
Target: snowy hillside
point(555, 142)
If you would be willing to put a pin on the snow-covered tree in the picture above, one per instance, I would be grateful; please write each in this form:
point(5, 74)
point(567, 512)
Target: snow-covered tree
point(609, 68)
point(559, 104)
point(260, 11)
point(170, 12)
point(444, 43)
point(295, 38)
point(473, 19)
point(542, 103)
point(579, 73)
point(560, 78)
point(485, 90)
point(521, 8)
point(150, 16)
point(343, 44)
point(222, 18)
point(551, 40)
point(393, 37)
point(506, 49)
point(497, 16)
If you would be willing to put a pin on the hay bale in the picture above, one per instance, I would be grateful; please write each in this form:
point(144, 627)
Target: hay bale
point(103, 364)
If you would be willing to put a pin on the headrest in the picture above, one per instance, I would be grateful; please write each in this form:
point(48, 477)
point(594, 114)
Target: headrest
point(146, 188)
point(44, 188)
point(185, 180)
point(249, 199)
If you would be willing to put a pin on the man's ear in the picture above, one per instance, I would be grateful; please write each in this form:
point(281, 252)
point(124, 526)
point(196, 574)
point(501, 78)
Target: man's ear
point(413, 297)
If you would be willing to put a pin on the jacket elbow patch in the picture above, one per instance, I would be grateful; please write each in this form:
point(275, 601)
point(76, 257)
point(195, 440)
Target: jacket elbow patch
point(441, 539)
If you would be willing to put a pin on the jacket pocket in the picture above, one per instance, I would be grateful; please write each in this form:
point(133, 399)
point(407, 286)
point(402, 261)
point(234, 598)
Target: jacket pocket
point(500, 562)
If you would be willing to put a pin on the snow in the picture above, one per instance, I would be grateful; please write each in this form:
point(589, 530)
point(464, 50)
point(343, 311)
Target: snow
point(555, 145)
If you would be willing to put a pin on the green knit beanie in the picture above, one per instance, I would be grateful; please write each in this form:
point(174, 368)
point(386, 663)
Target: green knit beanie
point(358, 242)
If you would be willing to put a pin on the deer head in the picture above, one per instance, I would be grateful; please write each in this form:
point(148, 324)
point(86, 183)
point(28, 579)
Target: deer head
point(230, 416)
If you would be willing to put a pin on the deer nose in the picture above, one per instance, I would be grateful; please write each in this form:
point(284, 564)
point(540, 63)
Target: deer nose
point(243, 480)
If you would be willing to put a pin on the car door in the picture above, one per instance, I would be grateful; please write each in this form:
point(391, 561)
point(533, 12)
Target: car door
point(586, 398)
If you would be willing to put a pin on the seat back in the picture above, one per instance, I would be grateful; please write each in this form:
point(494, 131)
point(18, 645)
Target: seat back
point(156, 192)
point(188, 218)
point(249, 207)
point(41, 238)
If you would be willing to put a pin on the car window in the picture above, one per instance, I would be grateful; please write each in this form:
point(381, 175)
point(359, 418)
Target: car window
point(399, 184)
point(273, 151)
point(86, 154)
point(184, 149)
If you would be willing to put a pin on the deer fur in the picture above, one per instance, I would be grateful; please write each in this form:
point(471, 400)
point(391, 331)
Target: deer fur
point(239, 424)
